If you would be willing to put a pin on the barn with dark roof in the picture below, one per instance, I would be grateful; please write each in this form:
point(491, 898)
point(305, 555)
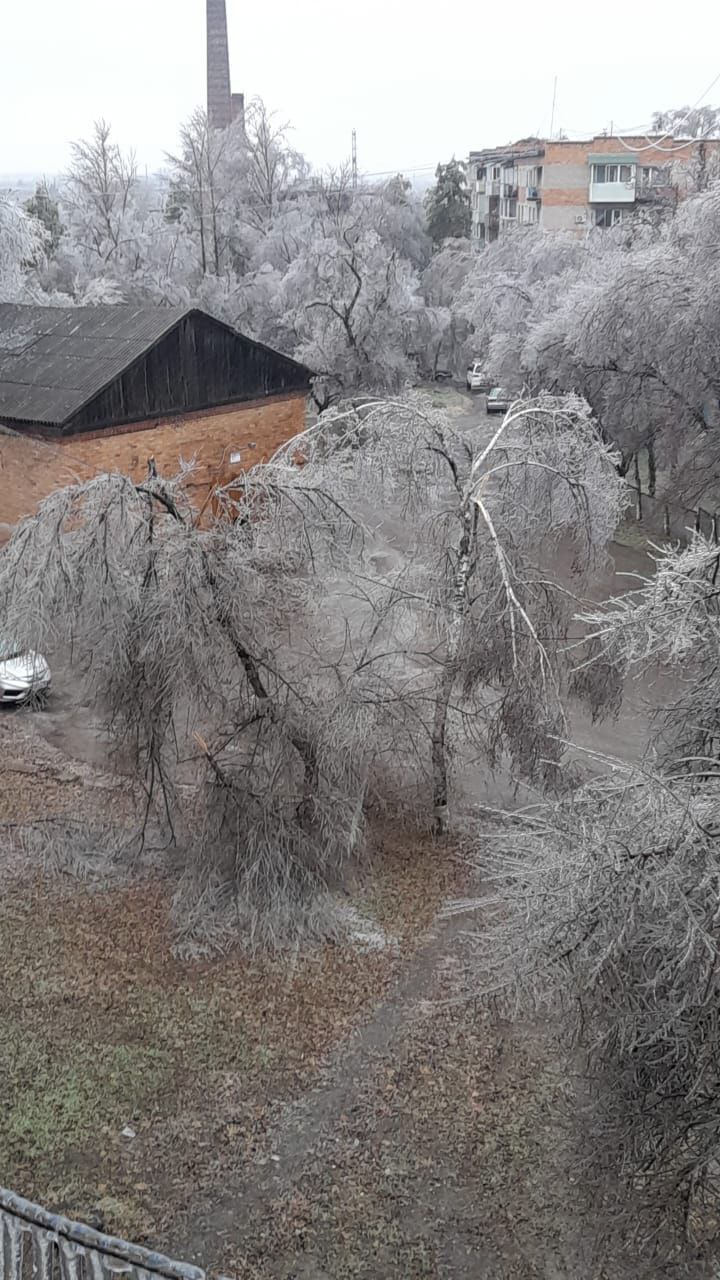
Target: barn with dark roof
point(90, 389)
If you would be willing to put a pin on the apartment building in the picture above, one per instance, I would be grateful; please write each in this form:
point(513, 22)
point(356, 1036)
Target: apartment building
point(575, 186)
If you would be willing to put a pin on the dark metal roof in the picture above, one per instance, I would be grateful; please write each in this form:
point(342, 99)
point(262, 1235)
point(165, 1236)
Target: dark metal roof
point(54, 359)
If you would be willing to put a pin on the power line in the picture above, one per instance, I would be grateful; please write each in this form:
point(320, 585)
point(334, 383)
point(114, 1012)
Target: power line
point(655, 146)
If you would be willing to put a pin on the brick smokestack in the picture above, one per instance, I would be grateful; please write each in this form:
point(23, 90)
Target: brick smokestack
point(219, 106)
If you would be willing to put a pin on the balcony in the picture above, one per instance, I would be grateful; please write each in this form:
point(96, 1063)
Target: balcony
point(509, 191)
point(493, 187)
point(612, 192)
point(532, 193)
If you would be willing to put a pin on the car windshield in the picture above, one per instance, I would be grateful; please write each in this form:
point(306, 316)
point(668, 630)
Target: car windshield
point(9, 649)
point(497, 393)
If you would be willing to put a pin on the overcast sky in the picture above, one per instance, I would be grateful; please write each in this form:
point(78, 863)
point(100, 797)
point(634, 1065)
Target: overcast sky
point(419, 81)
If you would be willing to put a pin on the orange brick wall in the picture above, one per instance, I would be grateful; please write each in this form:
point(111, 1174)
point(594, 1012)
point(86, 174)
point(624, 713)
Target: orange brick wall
point(567, 172)
point(31, 468)
point(29, 471)
point(572, 153)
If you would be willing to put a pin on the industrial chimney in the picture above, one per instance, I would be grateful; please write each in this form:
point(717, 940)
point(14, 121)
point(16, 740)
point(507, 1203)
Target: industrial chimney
point(223, 106)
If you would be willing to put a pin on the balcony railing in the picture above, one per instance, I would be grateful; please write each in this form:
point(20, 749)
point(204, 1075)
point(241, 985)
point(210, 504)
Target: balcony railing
point(35, 1242)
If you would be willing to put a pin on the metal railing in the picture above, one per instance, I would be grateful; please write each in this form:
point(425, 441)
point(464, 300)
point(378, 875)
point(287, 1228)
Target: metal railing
point(38, 1245)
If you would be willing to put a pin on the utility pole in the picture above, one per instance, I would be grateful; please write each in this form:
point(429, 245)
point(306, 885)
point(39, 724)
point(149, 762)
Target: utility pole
point(552, 114)
point(354, 160)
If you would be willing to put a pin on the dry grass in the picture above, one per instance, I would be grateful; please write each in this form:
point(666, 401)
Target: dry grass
point(104, 1028)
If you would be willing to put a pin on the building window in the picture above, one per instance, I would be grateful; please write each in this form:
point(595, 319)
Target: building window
point(612, 172)
point(650, 175)
point(496, 173)
point(480, 172)
point(607, 217)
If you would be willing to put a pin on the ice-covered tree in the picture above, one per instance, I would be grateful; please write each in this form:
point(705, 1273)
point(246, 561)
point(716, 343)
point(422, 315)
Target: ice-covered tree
point(116, 238)
point(45, 209)
point(688, 122)
point(206, 198)
point(23, 242)
point(330, 640)
point(444, 331)
point(465, 638)
point(637, 340)
point(350, 295)
point(275, 171)
point(605, 912)
point(447, 204)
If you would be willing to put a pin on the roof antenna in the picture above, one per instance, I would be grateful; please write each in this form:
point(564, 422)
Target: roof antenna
point(552, 114)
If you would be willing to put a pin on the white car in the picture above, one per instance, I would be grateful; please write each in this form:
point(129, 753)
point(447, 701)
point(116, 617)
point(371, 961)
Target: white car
point(476, 380)
point(23, 675)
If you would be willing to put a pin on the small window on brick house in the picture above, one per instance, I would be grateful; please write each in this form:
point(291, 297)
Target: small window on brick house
point(235, 458)
point(607, 217)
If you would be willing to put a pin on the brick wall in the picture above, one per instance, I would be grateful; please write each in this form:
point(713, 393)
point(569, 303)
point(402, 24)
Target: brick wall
point(566, 174)
point(29, 471)
point(31, 468)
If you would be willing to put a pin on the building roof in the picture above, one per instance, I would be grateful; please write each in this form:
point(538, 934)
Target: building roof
point(55, 360)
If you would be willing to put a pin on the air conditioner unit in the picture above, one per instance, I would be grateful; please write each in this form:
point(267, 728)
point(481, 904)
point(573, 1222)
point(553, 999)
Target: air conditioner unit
point(579, 219)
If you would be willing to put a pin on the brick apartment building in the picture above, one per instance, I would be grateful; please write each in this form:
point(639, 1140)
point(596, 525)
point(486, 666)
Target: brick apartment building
point(574, 186)
point(85, 390)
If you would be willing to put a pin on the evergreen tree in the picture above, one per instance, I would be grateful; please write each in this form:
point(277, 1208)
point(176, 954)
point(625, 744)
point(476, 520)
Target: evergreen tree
point(447, 204)
point(46, 211)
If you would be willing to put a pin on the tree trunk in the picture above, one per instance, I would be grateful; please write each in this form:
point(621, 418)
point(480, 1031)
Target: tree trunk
point(652, 470)
point(303, 744)
point(626, 457)
point(441, 820)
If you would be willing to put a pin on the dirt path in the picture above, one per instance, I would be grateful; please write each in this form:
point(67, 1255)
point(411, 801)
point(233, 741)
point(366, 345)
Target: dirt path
point(309, 1125)
point(420, 1152)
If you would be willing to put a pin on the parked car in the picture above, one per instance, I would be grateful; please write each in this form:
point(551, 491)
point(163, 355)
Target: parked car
point(476, 381)
point(23, 675)
point(499, 400)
